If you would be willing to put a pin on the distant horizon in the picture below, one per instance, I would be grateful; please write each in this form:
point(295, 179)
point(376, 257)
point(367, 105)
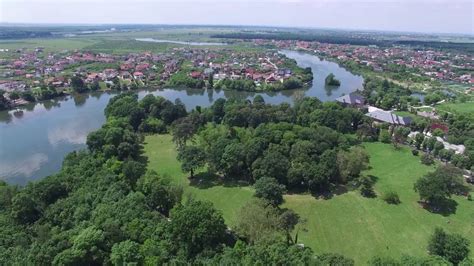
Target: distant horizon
point(409, 16)
point(44, 24)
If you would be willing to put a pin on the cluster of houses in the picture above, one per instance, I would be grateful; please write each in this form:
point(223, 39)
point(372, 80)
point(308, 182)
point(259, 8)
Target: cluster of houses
point(28, 68)
point(378, 115)
point(436, 64)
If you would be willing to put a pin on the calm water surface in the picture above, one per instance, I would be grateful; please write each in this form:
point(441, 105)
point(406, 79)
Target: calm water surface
point(35, 139)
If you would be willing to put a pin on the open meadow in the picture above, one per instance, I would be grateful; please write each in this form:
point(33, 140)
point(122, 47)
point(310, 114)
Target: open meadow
point(347, 223)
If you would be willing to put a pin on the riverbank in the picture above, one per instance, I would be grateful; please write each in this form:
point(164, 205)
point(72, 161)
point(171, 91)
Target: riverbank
point(61, 125)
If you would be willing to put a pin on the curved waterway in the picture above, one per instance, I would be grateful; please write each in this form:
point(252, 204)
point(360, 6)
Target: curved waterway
point(35, 138)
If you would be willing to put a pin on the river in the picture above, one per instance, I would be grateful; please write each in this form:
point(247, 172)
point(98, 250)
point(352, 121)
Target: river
point(34, 140)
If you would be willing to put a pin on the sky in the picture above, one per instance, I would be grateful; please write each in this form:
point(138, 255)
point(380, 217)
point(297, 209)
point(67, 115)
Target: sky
point(434, 16)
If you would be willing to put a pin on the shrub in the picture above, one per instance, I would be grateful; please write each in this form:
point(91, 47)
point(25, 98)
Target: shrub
point(469, 197)
point(391, 197)
point(366, 188)
point(414, 152)
point(427, 159)
point(384, 136)
point(438, 133)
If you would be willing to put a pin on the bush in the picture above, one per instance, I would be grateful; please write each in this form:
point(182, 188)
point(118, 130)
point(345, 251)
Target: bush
point(385, 136)
point(391, 197)
point(438, 133)
point(469, 197)
point(366, 188)
point(415, 152)
point(427, 159)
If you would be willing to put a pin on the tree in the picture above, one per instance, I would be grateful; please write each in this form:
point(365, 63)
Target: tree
point(272, 164)
point(331, 80)
point(288, 221)
point(182, 130)
point(400, 135)
point(125, 253)
point(427, 159)
point(87, 248)
point(453, 247)
point(24, 208)
point(196, 226)
point(160, 194)
point(191, 158)
point(210, 82)
point(351, 163)
point(77, 84)
point(438, 186)
point(437, 147)
point(95, 86)
point(257, 221)
point(269, 189)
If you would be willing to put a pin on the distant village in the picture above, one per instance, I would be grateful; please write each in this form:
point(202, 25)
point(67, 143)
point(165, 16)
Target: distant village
point(26, 69)
point(435, 64)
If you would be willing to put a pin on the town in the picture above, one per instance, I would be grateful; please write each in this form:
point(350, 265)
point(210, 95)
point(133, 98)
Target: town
point(30, 75)
point(434, 64)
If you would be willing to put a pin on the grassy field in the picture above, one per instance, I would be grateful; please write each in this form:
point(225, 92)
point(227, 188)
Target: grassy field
point(161, 154)
point(461, 108)
point(50, 44)
point(347, 223)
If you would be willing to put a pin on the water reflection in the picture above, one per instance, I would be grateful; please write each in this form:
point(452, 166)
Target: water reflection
point(23, 167)
point(35, 138)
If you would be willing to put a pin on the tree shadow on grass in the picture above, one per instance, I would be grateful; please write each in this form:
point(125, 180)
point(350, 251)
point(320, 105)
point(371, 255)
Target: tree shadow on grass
point(445, 207)
point(206, 180)
point(335, 190)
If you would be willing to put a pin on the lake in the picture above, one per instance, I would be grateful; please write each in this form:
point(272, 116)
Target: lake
point(35, 138)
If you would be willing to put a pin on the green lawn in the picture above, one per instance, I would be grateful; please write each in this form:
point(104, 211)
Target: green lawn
point(462, 108)
point(161, 154)
point(348, 223)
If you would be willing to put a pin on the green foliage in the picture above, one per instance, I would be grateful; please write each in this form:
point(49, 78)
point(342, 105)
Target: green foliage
point(126, 252)
point(367, 187)
point(236, 84)
point(438, 186)
point(78, 85)
point(191, 158)
point(391, 197)
point(384, 136)
point(196, 226)
point(427, 159)
point(452, 247)
point(268, 188)
point(182, 79)
point(331, 80)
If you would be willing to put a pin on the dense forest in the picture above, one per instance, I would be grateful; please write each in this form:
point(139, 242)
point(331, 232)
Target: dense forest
point(105, 208)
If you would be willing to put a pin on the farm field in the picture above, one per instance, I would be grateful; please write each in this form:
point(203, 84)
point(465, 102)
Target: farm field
point(348, 223)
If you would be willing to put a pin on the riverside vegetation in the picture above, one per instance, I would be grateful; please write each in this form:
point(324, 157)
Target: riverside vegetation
point(104, 207)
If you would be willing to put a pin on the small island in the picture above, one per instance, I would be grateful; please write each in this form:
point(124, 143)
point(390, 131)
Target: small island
point(332, 81)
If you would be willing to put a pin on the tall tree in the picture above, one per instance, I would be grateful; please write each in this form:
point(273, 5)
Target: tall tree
point(191, 158)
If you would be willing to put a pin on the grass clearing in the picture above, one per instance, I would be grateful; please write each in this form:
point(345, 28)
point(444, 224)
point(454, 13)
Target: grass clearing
point(461, 108)
point(348, 223)
point(161, 153)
